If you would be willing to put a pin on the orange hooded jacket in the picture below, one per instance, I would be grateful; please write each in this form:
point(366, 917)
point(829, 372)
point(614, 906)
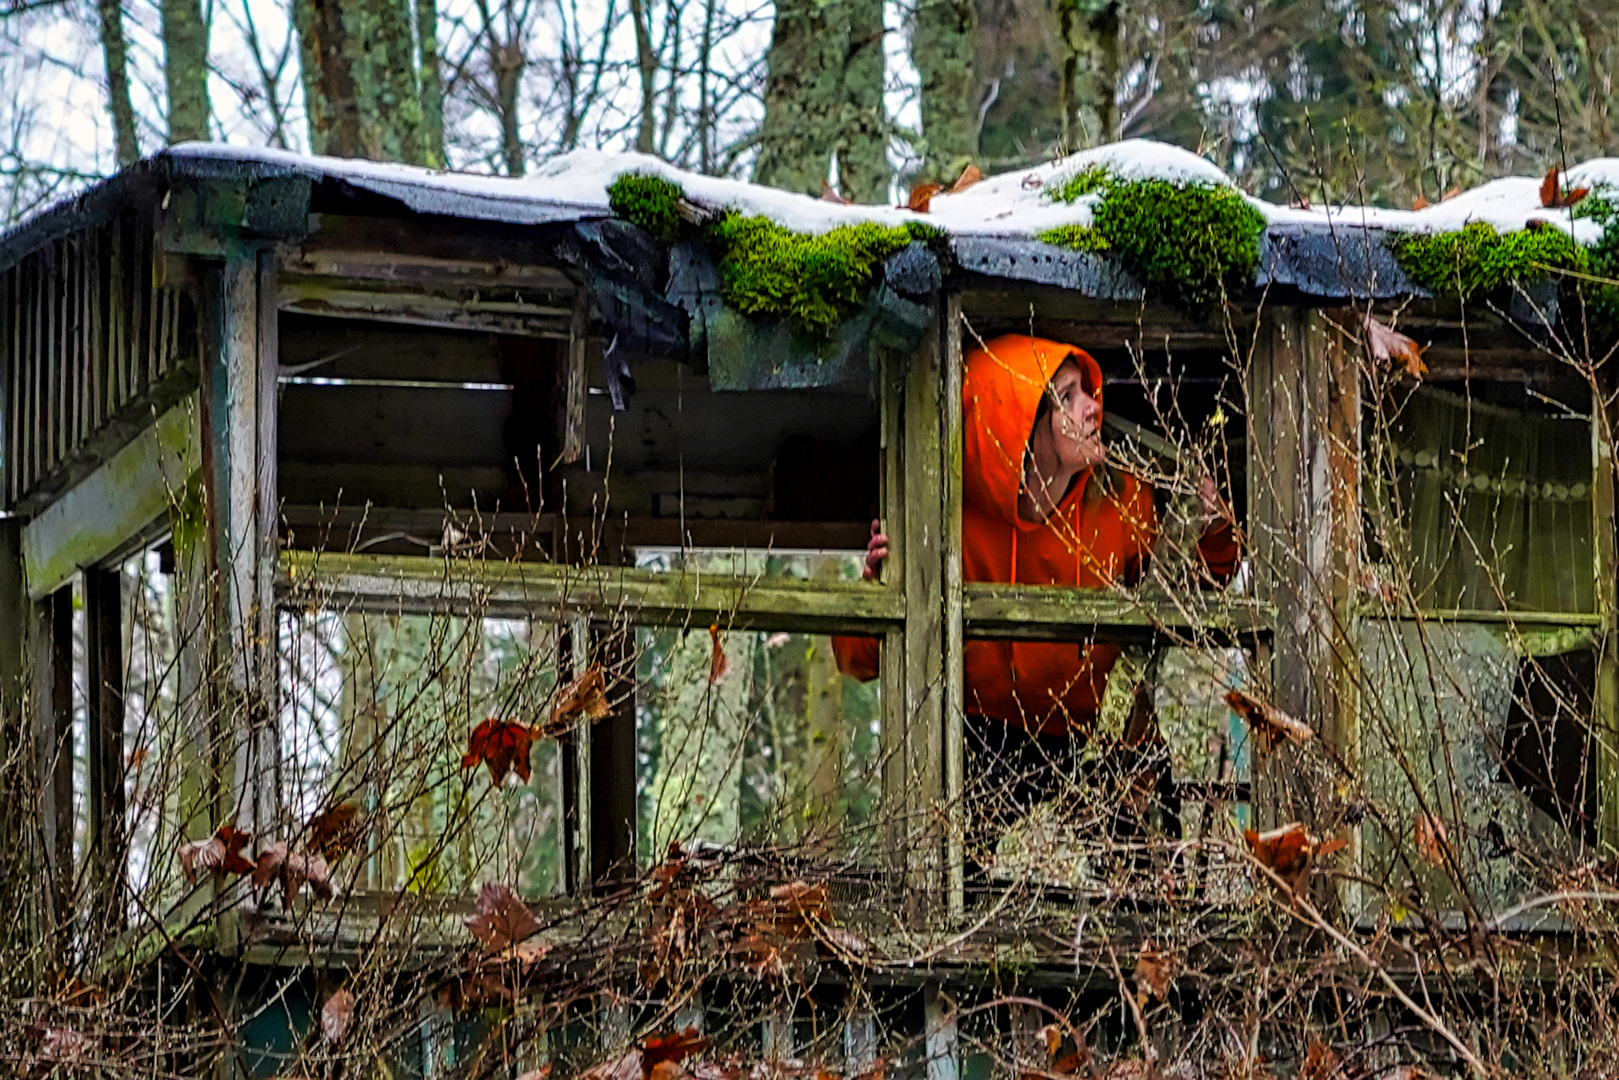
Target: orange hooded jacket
point(1092, 540)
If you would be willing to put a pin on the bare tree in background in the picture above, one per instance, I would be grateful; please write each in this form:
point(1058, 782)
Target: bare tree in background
point(185, 69)
point(116, 52)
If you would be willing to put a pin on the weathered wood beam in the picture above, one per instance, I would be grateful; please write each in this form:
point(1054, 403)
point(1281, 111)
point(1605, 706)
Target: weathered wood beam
point(116, 503)
point(50, 642)
point(1053, 613)
point(239, 483)
point(402, 584)
point(538, 315)
point(404, 267)
point(955, 683)
point(107, 850)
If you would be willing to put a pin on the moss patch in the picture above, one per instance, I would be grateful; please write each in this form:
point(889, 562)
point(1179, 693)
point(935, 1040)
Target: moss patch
point(818, 280)
point(649, 201)
point(1073, 188)
point(1478, 259)
point(1190, 243)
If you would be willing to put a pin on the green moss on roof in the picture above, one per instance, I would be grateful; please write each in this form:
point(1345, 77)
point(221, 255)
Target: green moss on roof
point(1479, 260)
point(649, 201)
point(818, 280)
point(1075, 187)
point(1189, 243)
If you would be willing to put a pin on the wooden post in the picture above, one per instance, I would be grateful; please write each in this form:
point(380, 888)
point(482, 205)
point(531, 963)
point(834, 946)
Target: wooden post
point(954, 675)
point(1605, 694)
point(104, 692)
point(914, 672)
point(239, 418)
point(17, 827)
point(1304, 521)
point(940, 1039)
point(51, 645)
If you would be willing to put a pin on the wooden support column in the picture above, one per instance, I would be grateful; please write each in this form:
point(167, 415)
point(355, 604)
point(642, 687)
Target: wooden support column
point(1605, 696)
point(955, 693)
point(610, 787)
point(51, 646)
point(239, 475)
point(17, 826)
point(104, 691)
point(924, 543)
point(1304, 522)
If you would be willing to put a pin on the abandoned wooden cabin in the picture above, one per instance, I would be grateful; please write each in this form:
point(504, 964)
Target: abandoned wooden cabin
point(397, 452)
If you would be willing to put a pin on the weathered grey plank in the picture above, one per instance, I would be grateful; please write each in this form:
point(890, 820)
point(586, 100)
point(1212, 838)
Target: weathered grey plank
point(406, 584)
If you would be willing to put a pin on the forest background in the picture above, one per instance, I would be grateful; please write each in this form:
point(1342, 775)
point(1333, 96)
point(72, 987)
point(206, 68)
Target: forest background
point(1362, 101)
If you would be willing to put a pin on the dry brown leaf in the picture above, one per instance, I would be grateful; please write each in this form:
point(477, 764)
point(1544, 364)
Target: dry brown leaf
point(669, 1070)
point(1154, 970)
point(294, 870)
point(1289, 851)
point(674, 1048)
point(1554, 196)
point(969, 176)
point(503, 746)
point(336, 832)
point(830, 194)
point(585, 697)
point(1320, 1060)
point(500, 919)
point(627, 1066)
point(1269, 724)
point(1420, 202)
point(922, 197)
point(1388, 345)
point(718, 665)
point(220, 854)
point(542, 1073)
point(1430, 838)
point(336, 1015)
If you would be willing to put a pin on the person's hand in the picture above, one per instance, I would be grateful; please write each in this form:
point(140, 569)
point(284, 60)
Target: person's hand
point(1215, 511)
point(876, 551)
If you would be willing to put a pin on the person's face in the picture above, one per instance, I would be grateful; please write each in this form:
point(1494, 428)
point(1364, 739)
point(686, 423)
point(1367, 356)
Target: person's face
point(1075, 419)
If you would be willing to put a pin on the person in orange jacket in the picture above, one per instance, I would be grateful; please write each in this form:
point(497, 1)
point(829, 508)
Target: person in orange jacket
point(1040, 508)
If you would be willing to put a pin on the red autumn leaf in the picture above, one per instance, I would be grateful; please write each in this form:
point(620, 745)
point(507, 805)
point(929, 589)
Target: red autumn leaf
point(335, 833)
point(969, 176)
point(583, 698)
point(673, 1048)
point(294, 870)
point(1555, 196)
point(1388, 345)
point(500, 919)
point(718, 665)
point(830, 194)
point(1269, 724)
point(1430, 838)
point(922, 197)
point(503, 746)
point(1066, 1052)
point(336, 1015)
point(220, 854)
point(1289, 851)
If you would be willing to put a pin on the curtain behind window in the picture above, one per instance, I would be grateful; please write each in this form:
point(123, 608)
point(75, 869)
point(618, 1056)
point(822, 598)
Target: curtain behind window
point(1488, 507)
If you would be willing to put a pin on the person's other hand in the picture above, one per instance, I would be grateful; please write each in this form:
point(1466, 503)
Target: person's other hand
point(876, 551)
point(1214, 507)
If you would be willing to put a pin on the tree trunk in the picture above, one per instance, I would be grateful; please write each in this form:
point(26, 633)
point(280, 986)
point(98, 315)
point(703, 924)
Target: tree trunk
point(508, 61)
point(824, 96)
point(1090, 73)
point(116, 54)
point(942, 42)
point(863, 171)
point(432, 83)
point(360, 85)
point(185, 70)
point(646, 62)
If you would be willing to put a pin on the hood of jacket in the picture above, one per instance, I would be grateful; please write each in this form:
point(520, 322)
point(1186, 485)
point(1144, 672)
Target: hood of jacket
point(1001, 390)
